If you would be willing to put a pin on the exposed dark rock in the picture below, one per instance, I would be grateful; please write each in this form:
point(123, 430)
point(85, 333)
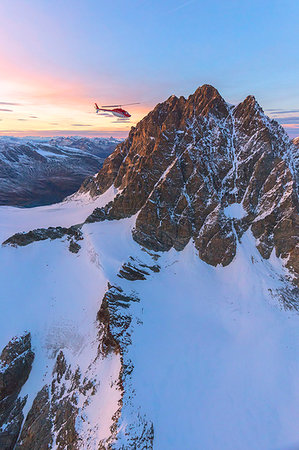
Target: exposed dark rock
point(54, 411)
point(64, 408)
point(74, 247)
point(107, 341)
point(114, 321)
point(10, 429)
point(136, 270)
point(73, 233)
point(15, 365)
point(36, 432)
point(101, 214)
point(16, 362)
point(132, 273)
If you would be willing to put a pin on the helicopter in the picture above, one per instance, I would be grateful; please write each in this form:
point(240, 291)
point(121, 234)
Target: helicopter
point(116, 111)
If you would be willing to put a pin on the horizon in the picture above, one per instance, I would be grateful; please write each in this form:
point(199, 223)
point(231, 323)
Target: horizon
point(291, 129)
point(134, 53)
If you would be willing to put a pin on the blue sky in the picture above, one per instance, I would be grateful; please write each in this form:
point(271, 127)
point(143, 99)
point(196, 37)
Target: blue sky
point(57, 57)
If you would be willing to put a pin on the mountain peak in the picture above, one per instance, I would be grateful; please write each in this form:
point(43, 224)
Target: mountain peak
point(250, 115)
point(207, 90)
point(250, 99)
point(172, 99)
point(296, 141)
point(207, 100)
point(187, 161)
point(249, 106)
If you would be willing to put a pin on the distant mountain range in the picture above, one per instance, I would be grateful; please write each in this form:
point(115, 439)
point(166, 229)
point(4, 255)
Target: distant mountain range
point(42, 171)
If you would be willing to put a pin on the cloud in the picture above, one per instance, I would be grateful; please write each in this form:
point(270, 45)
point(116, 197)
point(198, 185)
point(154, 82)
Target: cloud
point(53, 123)
point(282, 111)
point(33, 117)
point(287, 120)
point(10, 104)
point(80, 125)
point(291, 125)
point(292, 130)
point(23, 119)
point(121, 121)
point(6, 110)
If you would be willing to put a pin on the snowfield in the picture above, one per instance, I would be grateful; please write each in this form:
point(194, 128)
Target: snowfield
point(215, 353)
point(72, 211)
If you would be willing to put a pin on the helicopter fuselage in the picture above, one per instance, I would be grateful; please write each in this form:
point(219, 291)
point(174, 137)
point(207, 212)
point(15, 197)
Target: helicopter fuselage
point(118, 112)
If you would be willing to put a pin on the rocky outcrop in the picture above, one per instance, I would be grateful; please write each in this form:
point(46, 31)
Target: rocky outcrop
point(135, 270)
point(72, 233)
point(114, 321)
point(51, 420)
point(36, 432)
point(189, 159)
point(15, 365)
point(116, 325)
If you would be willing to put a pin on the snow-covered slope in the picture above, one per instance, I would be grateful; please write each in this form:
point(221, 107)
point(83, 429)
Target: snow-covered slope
point(43, 171)
point(55, 295)
point(112, 344)
point(214, 350)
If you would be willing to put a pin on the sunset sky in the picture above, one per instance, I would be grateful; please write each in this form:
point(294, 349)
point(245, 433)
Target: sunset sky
point(59, 56)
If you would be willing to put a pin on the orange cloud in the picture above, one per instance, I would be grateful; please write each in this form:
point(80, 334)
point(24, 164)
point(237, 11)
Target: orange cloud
point(42, 100)
point(290, 125)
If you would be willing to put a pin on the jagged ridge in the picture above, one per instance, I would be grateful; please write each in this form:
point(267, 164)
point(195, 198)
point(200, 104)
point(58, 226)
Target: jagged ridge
point(187, 160)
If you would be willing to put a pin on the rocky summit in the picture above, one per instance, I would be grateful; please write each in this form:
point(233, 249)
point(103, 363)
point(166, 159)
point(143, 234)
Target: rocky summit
point(190, 163)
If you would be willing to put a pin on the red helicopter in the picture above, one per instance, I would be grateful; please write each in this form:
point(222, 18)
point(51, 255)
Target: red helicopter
point(116, 111)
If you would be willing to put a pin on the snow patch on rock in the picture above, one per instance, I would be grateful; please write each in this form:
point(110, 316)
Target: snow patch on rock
point(235, 211)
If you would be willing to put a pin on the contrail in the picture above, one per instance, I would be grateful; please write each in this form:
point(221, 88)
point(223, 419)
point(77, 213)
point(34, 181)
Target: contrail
point(181, 6)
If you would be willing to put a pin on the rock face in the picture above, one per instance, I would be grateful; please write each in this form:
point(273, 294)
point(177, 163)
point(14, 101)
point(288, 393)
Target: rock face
point(54, 417)
point(40, 172)
point(53, 412)
point(15, 365)
point(187, 161)
point(116, 326)
point(72, 233)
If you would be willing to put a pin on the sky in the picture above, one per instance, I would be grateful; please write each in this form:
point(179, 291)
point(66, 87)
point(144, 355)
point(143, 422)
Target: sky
point(57, 57)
